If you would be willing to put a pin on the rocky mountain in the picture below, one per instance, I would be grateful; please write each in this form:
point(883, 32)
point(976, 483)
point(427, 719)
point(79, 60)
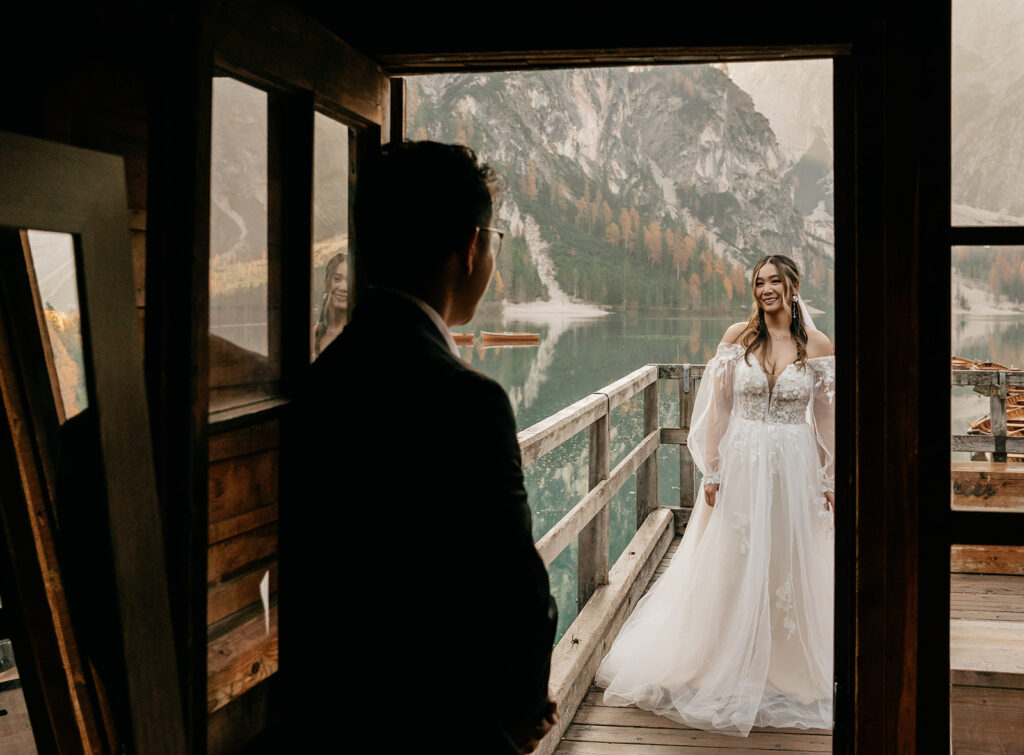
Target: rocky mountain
point(987, 110)
point(646, 187)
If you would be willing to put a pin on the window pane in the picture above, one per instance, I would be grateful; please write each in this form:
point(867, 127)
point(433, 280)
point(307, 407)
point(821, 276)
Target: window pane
point(330, 231)
point(15, 728)
point(987, 101)
point(987, 336)
point(986, 648)
point(56, 295)
point(243, 360)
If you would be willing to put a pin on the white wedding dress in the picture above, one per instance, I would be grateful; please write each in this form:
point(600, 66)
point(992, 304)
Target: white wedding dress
point(738, 631)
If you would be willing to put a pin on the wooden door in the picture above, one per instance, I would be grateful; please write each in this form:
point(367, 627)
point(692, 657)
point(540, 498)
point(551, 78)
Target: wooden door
point(85, 595)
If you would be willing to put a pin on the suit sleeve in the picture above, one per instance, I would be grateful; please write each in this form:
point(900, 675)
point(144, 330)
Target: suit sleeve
point(521, 614)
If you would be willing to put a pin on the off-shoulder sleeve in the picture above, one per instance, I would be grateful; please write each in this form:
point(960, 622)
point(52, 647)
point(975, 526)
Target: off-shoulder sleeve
point(823, 418)
point(711, 409)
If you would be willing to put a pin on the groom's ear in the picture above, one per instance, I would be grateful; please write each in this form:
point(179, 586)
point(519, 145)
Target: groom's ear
point(466, 254)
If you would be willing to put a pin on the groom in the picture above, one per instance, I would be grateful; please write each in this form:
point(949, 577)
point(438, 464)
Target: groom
point(418, 494)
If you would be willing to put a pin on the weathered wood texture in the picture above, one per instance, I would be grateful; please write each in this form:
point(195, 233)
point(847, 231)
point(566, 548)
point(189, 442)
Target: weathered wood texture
point(987, 720)
point(986, 378)
point(985, 443)
point(262, 38)
point(562, 533)
point(986, 485)
point(236, 725)
point(577, 655)
point(987, 671)
point(987, 559)
point(594, 534)
point(242, 548)
point(647, 474)
point(549, 433)
point(241, 653)
point(16, 730)
point(687, 391)
point(987, 663)
point(238, 593)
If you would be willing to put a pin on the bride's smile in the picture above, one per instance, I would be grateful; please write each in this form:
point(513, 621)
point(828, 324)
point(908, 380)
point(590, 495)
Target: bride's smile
point(769, 289)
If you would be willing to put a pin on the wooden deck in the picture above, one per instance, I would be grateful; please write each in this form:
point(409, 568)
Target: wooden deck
point(987, 656)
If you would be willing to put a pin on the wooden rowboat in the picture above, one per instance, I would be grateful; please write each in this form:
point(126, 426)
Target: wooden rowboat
point(463, 339)
point(493, 338)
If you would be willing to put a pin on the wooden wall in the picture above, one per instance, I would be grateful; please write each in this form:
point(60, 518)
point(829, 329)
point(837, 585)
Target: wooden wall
point(242, 637)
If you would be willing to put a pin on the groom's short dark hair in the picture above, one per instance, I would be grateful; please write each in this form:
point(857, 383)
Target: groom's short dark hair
point(415, 205)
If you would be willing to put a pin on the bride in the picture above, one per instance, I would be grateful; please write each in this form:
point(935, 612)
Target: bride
point(738, 631)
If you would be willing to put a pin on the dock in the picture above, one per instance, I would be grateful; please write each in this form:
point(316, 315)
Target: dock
point(986, 598)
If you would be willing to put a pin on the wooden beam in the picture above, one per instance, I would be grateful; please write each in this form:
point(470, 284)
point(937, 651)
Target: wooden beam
point(509, 60)
point(687, 475)
point(680, 371)
point(538, 439)
point(647, 474)
point(240, 656)
point(562, 533)
point(284, 47)
point(578, 654)
point(986, 443)
point(593, 553)
point(396, 114)
point(987, 559)
point(986, 485)
point(623, 389)
point(986, 377)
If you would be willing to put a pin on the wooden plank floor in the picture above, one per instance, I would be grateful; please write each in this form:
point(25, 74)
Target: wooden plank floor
point(987, 629)
point(599, 729)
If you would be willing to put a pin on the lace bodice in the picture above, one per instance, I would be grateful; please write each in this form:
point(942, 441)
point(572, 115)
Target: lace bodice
point(732, 389)
point(785, 404)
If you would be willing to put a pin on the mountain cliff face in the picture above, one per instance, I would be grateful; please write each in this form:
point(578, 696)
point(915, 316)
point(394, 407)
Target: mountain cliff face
point(987, 110)
point(639, 179)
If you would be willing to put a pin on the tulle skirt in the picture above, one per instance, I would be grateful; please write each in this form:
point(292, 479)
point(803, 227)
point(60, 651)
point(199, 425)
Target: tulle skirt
point(738, 631)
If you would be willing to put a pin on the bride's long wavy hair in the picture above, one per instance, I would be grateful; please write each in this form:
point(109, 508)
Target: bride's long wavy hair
point(756, 333)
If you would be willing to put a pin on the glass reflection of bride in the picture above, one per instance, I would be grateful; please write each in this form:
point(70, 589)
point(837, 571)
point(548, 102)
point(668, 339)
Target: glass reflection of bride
point(333, 305)
point(738, 631)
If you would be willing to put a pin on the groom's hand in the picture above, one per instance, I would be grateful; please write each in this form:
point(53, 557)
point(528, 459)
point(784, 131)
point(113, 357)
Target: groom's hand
point(830, 501)
point(529, 739)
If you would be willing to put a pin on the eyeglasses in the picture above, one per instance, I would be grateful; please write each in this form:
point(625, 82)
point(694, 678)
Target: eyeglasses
point(494, 232)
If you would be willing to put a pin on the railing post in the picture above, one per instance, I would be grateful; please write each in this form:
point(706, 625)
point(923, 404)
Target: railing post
point(593, 539)
point(647, 475)
point(997, 412)
point(686, 471)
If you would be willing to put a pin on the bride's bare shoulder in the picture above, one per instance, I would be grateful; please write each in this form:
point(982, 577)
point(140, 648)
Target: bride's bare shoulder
point(818, 344)
point(733, 333)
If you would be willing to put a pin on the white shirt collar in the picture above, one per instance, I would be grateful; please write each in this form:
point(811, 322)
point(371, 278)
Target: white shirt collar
point(431, 313)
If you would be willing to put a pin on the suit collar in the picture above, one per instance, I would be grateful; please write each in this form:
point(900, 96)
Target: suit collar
point(385, 307)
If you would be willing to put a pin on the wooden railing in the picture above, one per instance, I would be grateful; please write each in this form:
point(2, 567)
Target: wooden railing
point(995, 384)
point(989, 485)
point(606, 594)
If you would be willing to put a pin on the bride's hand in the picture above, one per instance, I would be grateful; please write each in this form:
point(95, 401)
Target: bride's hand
point(710, 491)
point(830, 501)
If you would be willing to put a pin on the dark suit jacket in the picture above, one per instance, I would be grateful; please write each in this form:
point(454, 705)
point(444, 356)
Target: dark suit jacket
point(419, 531)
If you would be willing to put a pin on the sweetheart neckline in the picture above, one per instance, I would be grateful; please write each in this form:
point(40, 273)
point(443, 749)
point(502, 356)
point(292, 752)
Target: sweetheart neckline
point(771, 385)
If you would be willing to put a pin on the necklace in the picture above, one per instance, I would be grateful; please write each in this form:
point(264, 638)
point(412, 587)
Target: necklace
point(783, 337)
